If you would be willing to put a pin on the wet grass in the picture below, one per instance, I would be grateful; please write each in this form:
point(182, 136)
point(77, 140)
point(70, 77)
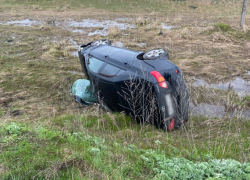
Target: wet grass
point(52, 137)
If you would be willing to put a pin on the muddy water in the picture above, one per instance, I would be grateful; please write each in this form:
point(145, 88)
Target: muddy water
point(209, 110)
point(239, 85)
point(25, 22)
point(118, 44)
point(164, 26)
point(78, 26)
point(141, 44)
point(93, 23)
point(74, 72)
point(75, 45)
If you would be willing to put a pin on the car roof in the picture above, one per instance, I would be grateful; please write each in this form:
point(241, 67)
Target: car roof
point(112, 52)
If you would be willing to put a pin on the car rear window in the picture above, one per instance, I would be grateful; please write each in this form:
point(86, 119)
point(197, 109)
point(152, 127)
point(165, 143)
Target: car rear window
point(109, 71)
point(95, 64)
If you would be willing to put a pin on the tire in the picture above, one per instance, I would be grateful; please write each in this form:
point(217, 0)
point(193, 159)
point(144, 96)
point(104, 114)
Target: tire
point(101, 42)
point(155, 54)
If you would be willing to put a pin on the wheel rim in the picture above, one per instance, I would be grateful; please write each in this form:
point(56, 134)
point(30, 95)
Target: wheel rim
point(154, 53)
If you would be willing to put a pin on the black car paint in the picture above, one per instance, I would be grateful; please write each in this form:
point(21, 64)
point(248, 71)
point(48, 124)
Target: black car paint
point(110, 90)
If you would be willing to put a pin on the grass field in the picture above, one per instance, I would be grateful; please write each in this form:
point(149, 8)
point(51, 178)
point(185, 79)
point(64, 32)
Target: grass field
point(44, 134)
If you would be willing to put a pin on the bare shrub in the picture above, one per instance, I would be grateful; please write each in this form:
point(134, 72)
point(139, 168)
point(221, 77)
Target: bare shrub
point(142, 103)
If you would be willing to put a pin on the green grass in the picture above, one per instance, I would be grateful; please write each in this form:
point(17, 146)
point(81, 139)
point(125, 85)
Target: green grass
point(90, 152)
point(109, 5)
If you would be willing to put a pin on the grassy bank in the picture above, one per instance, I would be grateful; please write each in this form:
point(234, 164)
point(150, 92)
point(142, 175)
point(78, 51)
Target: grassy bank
point(111, 146)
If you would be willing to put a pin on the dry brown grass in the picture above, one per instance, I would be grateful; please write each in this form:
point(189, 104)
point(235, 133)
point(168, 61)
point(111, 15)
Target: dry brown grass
point(114, 32)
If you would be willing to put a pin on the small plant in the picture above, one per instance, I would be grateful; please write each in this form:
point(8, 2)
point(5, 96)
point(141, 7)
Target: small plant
point(13, 128)
point(181, 168)
point(222, 27)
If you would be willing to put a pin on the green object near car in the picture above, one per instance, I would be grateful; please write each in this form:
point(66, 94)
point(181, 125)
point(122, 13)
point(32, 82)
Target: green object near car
point(81, 90)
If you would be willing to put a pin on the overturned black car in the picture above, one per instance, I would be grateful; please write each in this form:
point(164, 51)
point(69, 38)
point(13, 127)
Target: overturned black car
point(147, 86)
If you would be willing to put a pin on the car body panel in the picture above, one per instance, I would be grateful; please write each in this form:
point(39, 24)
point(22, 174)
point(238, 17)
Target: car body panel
point(114, 89)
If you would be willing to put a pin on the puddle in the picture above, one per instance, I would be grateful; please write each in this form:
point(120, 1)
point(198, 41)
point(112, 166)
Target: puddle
point(239, 85)
point(75, 72)
point(78, 31)
point(207, 110)
point(25, 22)
point(74, 43)
point(75, 53)
point(164, 26)
point(103, 32)
point(72, 25)
point(211, 111)
point(93, 23)
point(118, 44)
point(141, 44)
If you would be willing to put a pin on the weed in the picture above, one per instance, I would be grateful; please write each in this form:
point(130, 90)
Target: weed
point(222, 27)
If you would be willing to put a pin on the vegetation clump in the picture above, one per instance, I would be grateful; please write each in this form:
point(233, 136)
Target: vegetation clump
point(181, 168)
point(222, 27)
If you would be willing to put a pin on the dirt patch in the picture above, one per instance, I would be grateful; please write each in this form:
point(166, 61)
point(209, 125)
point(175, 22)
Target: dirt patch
point(16, 113)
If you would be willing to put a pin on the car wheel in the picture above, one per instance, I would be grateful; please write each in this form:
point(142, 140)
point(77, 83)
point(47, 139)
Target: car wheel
point(155, 54)
point(101, 42)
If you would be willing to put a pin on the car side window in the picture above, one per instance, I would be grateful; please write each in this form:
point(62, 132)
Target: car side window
point(95, 64)
point(109, 70)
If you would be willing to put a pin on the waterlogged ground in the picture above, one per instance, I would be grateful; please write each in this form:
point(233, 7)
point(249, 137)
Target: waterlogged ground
point(38, 65)
point(121, 28)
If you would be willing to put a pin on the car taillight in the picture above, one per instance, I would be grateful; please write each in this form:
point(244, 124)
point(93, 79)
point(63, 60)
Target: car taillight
point(171, 125)
point(160, 79)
